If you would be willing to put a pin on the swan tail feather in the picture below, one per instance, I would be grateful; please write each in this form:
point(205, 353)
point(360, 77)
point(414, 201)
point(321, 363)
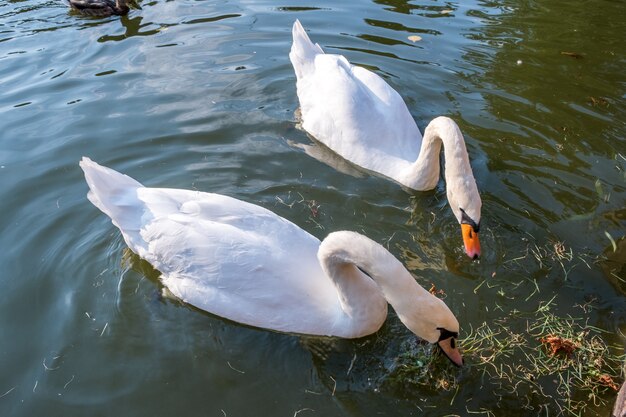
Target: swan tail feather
point(115, 194)
point(303, 51)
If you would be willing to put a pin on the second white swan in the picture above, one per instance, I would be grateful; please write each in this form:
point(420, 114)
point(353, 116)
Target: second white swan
point(358, 115)
point(245, 263)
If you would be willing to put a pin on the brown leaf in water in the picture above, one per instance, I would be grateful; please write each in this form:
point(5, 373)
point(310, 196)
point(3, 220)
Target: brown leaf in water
point(607, 381)
point(314, 207)
point(572, 54)
point(598, 101)
point(436, 292)
point(558, 344)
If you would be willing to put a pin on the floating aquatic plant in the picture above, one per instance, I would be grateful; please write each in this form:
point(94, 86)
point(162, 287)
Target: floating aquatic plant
point(559, 365)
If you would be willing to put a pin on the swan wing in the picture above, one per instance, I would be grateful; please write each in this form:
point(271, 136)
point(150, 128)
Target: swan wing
point(352, 110)
point(222, 255)
point(239, 261)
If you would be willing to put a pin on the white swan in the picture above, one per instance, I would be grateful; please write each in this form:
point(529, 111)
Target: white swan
point(245, 263)
point(358, 115)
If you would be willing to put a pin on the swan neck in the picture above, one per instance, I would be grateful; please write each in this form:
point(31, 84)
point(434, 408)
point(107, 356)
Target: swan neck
point(357, 265)
point(455, 152)
point(441, 131)
point(343, 255)
point(342, 249)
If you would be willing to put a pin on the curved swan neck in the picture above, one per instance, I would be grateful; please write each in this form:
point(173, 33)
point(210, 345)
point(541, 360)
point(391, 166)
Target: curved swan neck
point(342, 249)
point(343, 255)
point(424, 173)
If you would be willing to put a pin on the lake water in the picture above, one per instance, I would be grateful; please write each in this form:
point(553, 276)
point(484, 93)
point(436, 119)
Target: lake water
point(201, 95)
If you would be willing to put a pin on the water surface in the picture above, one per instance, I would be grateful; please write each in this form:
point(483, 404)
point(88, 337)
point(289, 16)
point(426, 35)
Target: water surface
point(201, 95)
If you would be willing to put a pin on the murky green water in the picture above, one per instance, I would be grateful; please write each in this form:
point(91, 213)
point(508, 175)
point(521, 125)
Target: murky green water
point(201, 94)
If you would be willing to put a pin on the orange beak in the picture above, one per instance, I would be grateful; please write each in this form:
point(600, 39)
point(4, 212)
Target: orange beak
point(449, 348)
point(470, 239)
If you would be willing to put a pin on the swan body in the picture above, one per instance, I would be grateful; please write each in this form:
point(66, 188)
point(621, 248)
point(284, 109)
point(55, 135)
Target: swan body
point(359, 116)
point(101, 8)
point(245, 263)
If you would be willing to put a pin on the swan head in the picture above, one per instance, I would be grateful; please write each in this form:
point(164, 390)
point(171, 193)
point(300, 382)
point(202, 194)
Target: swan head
point(447, 344)
point(461, 188)
point(427, 316)
point(432, 320)
point(465, 202)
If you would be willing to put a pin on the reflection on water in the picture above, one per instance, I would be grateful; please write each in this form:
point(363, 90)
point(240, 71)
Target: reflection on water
point(201, 95)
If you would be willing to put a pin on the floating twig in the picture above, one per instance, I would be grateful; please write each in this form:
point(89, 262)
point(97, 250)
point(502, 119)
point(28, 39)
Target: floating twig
point(7, 393)
point(334, 386)
point(234, 369)
point(68, 382)
point(301, 410)
point(351, 364)
point(104, 328)
point(46, 366)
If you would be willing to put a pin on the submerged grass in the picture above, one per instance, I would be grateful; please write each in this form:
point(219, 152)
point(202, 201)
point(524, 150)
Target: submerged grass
point(561, 363)
point(540, 362)
point(533, 362)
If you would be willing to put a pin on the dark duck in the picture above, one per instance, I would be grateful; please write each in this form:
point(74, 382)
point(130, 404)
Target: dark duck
point(102, 8)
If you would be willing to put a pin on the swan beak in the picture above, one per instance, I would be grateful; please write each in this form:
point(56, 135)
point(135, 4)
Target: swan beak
point(470, 239)
point(449, 348)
